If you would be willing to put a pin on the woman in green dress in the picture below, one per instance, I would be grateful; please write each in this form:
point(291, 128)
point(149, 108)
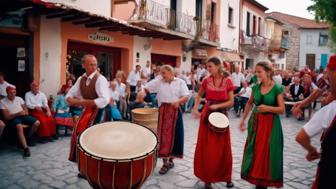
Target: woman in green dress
point(263, 154)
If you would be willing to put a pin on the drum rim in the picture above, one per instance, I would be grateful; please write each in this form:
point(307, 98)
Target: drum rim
point(145, 113)
point(119, 160)
point(219, 128)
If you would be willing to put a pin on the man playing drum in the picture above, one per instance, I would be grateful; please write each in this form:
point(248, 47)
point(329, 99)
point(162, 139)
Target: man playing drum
point(171, 93)
point(91, 91)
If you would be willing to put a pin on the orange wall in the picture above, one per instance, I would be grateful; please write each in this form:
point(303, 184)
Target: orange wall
point(80, 34)
point(167, 47)
point(123, 11)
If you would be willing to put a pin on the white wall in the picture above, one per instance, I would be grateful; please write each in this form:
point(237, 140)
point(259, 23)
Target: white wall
point(140, 46)
point(229, 36)
point(50, 55)
point(100, 7)
point(163, 2)
point(253, 13)
point(188, 7)
point(312, 48)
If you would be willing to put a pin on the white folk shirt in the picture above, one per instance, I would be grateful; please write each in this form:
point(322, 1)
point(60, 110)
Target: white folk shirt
point(247, 93)
point(3, 87)
point(133, 78)
point(277, 79)
point(168, 92)
point(14, 106)
point(101, 86)
point(321, 120)
point(237, 79)
point(121, 88)
point(114, 95)
point(38, 100)
point(146, 71)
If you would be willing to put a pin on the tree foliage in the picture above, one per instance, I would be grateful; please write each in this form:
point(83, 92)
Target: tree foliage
point(325, 10)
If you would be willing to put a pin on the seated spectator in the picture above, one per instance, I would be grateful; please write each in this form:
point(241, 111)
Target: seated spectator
point(296, 93)
point(16, 115)
point(286, 80)
point(2, 127)
point(121, 88)
point(115, 96)
point(63, 117)
point(3, 86)
point(37, 104)
point(308, 86)
point(241, 98)
point(138, 103)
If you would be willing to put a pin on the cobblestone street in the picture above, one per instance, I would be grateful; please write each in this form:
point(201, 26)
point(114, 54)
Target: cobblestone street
point(48, 166)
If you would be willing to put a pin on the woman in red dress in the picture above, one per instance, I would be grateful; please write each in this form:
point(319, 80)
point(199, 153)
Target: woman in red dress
point(213, 156)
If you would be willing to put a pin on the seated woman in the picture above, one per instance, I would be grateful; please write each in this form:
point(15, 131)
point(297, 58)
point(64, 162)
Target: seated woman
point(63, 117)
point(115, 96)
point(37, 104)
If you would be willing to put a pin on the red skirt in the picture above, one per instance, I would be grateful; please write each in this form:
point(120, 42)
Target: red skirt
point(85, 121)
point(47, 124)
point(213, 155)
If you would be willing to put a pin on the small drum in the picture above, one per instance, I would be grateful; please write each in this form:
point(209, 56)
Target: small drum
point(147, 117)
point(117, 155)
point(218, 122)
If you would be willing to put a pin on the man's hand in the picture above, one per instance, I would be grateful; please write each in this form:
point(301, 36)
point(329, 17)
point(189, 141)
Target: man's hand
point(297, 112)
point(38, 108)
point(313, 155)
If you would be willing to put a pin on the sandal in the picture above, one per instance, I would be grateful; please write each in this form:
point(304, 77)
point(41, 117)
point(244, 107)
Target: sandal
point(229, 185)
point(208, 186)
point(170, 164)
point(164, 169)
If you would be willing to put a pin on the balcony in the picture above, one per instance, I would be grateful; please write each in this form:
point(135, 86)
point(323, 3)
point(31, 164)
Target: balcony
point(254, 42)
point(158, 15)
point(208, 31)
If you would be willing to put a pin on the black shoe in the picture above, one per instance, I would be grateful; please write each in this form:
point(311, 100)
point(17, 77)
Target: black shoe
point(229, 185)
point(79, 175)
point(55, 137)
point(26, 152)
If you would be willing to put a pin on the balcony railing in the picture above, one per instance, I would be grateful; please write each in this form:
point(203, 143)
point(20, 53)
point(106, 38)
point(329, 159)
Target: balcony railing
point(183, 23)
point(160, 15)
point(208, 30)
point(255, 41)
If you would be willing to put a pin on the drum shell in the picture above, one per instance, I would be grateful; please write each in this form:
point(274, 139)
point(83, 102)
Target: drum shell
point(217, 129)
point(102, 173)
point(147, 117)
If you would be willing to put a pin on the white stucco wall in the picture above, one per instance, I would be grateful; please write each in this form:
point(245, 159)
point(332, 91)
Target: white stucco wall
point(101, 7)
point(312, 48)
point(142, 45)
point(229, 35)
point(163, 2)
point(50, 55)
point(253, 13)
point(188, 7)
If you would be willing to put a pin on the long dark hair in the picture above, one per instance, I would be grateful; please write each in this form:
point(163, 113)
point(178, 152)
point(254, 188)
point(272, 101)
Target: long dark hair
point(217, 62)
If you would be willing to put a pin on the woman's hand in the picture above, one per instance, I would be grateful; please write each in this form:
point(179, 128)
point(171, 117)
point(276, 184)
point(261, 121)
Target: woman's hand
point(196, 113)
point(214, 107)
point(242, 125)
point(263, 108)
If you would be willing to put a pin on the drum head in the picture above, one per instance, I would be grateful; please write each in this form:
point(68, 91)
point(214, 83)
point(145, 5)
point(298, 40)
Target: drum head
point(118, 140)
point(219, 120)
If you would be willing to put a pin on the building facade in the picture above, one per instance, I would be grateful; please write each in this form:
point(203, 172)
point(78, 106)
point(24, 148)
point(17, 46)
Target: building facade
point(308, 41)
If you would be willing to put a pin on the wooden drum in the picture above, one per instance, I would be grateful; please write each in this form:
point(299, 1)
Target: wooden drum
point(117, 155)
point(147, 117)
point(218, 122)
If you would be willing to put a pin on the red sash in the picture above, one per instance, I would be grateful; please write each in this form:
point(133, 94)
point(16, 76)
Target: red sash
point(166, 129)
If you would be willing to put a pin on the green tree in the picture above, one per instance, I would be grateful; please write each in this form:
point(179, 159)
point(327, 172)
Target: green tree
point(325, 10)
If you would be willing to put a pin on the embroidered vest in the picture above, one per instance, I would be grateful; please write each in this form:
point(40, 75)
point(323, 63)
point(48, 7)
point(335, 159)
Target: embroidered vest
point(89, 91)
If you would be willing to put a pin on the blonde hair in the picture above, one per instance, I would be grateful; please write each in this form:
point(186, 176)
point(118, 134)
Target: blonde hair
point(169, 68)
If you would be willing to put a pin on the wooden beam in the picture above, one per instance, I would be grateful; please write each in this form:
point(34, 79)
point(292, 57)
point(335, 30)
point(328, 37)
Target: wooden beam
point(61, 14)
point(98, 24)
point(87, 21)
point(73, 17)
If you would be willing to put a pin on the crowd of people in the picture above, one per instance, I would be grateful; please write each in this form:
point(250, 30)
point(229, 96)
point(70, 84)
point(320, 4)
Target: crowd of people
point(262, 93)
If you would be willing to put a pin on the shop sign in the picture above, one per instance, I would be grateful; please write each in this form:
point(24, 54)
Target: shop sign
point(100, 37)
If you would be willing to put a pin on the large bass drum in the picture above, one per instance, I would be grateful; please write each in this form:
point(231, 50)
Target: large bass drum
point(117, 155)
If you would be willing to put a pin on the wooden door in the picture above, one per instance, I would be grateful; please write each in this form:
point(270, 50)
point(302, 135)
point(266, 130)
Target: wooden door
point(310, 61)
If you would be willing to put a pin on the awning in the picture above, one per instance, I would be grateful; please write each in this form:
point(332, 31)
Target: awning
point(200, 53)
point(231, 57)
point(77, 16)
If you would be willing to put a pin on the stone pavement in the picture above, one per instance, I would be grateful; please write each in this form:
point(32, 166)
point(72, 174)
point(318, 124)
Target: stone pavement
point(48, 166)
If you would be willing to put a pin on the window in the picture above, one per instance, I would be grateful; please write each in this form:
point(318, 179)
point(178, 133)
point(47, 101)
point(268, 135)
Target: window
point(259, 26)
point(230, 21)
point(254, 25)
point(309, 40)
point(323, 39)
point(248, 32)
